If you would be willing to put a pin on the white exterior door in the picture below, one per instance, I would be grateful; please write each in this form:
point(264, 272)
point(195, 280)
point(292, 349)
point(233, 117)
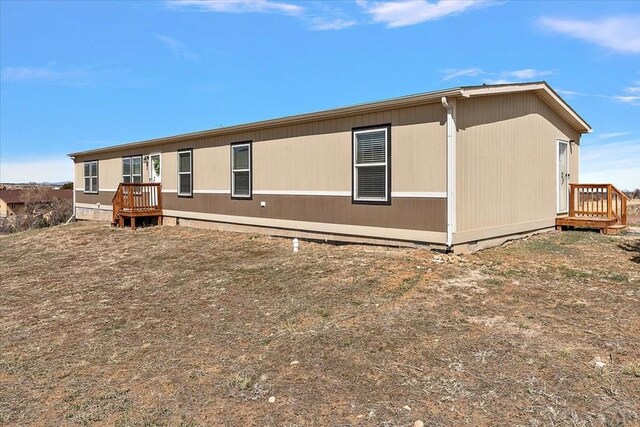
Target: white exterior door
point(155, 174)
point(562, 176)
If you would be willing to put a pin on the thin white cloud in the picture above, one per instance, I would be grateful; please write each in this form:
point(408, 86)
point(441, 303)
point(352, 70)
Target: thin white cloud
point(515, 76)
point(620, 34)
point(51, 73)
point(452, 73)
point(611, 135)
point(403, 13)
point(53, 169)
point(527, 74)
point(45, 73)
point(319, 24)
point(628, 99)
point(317, 16)
point(496, 77)
point(632, 96)
point(178, 49)
point(565, 92)
point(498, 81)
point(239, 6)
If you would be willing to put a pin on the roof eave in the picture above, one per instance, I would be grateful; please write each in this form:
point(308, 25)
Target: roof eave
point(542, 88)
point(284, 121)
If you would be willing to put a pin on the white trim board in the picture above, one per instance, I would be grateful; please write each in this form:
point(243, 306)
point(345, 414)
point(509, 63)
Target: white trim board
point(210, 191)
point(420, 194)
point(99, 190)
point(106, 207)
point(302, 193)
point(397, 194)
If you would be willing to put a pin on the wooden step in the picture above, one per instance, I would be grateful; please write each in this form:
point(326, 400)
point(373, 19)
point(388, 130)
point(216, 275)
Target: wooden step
point(614, 229)
point(585, 222)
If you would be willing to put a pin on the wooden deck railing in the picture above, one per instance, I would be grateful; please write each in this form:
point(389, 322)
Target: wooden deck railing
point(138, 198)
point(599, 201)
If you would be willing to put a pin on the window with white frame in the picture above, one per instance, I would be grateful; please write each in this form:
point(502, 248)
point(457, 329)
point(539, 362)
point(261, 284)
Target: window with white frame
point(185, 173)
point(371, 165)
point(241, 170)
point(91, 177)
point(132, 169)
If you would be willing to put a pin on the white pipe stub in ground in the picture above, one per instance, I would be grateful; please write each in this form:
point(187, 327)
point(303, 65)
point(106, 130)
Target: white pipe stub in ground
point(296, 245)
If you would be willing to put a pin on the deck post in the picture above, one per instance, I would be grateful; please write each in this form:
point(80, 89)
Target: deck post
point(571, 200)
point(609, 210)
point(159, 198)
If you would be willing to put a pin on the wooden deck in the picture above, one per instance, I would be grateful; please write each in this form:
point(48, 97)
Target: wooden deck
point(596, 206)
point(137, 200)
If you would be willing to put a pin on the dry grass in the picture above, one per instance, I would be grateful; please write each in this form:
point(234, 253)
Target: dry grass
point(633, 212)
point(176, 326)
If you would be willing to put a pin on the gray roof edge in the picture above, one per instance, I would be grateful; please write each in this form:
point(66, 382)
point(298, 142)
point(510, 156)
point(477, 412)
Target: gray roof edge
point(323, 114)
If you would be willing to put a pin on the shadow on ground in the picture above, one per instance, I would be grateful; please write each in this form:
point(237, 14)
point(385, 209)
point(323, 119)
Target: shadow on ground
point(632, 246)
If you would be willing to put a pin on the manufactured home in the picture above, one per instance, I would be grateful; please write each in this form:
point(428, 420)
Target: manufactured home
point(457, 169)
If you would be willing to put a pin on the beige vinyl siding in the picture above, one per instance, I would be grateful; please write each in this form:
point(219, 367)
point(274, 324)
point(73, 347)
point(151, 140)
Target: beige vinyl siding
point(109, 174)
point(304, 163)
point(419, 156)
point(313, 156)
point(169, 172)
point(506, 161)
point(78, 175)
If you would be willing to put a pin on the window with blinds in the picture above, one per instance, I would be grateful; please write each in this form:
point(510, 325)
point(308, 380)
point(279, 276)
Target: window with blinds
point(241, 170)
point(185, 173)
point(91, 177)
point(371, 165)
point(132, 169)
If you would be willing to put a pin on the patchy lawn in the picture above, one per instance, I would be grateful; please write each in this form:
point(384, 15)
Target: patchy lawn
point(177, 326)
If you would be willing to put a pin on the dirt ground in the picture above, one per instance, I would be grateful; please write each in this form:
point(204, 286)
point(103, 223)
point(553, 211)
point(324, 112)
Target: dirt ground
point(184, 327)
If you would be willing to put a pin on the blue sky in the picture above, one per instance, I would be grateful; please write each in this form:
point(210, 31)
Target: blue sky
point(80, 75)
